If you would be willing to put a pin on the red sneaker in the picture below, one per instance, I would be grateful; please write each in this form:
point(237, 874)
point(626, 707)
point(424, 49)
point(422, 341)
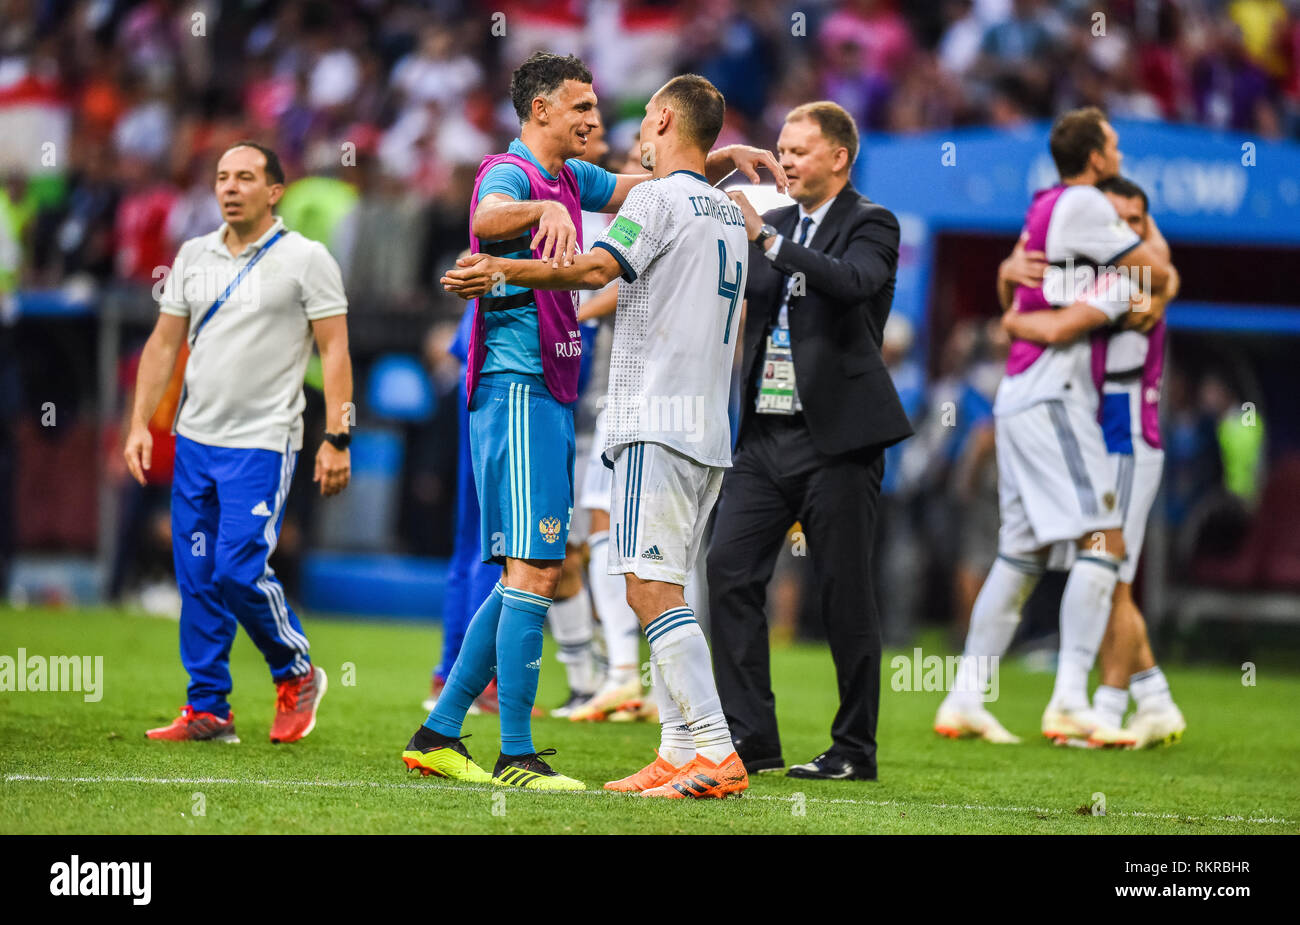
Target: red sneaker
point(191, 726)
point(295, 706)
point(435, 691)
point(486, 702)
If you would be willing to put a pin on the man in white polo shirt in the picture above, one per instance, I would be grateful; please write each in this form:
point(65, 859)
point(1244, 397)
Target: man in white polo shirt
point(248, 298)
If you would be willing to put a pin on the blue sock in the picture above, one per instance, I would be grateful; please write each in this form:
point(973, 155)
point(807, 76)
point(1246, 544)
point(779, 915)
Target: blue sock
point(519, 661)
point(472, 670)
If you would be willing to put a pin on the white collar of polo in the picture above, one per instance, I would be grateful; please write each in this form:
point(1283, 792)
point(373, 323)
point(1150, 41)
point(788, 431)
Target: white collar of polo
point(218, 242)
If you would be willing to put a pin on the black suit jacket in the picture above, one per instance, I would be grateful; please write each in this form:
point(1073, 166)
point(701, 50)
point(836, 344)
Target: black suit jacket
point(848, 397)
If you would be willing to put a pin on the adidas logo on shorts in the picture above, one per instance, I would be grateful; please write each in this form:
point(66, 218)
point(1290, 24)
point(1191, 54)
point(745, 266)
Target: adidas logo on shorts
point(653, 553)
point(535, 663)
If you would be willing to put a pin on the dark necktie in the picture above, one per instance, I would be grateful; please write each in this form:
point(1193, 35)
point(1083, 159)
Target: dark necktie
point(803, 239)
point(803, 230)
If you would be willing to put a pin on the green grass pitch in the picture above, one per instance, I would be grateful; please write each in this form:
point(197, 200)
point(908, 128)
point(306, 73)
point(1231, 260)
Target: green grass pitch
point(67, 766)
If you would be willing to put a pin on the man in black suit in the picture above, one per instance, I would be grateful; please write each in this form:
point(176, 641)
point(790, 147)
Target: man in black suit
point(817, 412)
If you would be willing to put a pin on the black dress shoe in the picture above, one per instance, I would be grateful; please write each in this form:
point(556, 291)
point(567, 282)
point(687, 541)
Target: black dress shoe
point(759, 757)
point(830, 766)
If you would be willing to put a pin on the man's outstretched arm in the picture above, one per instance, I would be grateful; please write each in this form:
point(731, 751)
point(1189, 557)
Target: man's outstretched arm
point(477, 274)
point(720, 162)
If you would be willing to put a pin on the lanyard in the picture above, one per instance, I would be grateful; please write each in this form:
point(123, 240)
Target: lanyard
point(234, 284)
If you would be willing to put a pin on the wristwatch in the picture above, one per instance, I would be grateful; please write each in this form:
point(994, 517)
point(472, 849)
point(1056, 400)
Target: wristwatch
point(767, 231)
point(338, 441)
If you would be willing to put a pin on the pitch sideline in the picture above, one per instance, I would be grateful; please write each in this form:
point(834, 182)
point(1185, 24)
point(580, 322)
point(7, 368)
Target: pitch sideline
point(468, 788)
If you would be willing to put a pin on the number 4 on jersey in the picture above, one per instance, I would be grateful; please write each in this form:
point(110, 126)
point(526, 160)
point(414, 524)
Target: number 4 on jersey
point(728, 289)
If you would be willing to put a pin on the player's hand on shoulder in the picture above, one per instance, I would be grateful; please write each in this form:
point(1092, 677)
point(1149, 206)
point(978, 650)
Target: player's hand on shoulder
point(750, 160)
point(333, 469)
point(556, 236)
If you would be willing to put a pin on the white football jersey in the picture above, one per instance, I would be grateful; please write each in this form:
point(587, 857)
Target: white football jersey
point(684, 253)
point(1084, 229)
point(1126, 351)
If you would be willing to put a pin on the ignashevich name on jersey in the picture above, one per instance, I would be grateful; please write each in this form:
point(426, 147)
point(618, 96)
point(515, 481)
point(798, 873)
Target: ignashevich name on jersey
point(684, 253)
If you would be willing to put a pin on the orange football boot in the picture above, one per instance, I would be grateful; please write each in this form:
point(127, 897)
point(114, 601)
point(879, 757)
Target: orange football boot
point(702, 778)
point(655, 774)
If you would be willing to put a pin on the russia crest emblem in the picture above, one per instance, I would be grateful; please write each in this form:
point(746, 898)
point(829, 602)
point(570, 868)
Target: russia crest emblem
point(550, 528)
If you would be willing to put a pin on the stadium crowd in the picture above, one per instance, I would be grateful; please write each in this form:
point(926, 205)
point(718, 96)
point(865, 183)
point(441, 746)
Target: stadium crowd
point(382, 110)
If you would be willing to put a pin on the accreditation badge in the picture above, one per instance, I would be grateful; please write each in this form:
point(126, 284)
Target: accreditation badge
point(776, 388)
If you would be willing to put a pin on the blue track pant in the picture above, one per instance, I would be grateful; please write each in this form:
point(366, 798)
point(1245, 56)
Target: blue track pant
point(227, 506)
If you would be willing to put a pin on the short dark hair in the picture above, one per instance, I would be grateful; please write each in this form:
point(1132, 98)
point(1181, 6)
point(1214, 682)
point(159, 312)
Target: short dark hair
point(699, 108)
point(1125, 189)
point(541, 75)
point(836, 125)
point(274, 169)
point(1074, 137)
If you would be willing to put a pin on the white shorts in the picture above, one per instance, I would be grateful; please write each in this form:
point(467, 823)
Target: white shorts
point(659, 507)
point(597, 478)
point(1137, 482)
point(1055, 479)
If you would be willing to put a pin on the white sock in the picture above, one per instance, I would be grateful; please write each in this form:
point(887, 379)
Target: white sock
point(678, 649)
point(1085, 611)
point(993, 621)
point(1109, 703)
point(599, 663)
point(571, 627)
point(676, 744)
point(694, 592)
point(1151, 689)
point(622, 630)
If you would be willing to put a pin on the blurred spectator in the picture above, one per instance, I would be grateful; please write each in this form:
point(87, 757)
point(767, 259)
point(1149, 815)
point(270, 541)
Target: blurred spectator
point(17, 209)
point(1239, 430)
point(1019, 41)
point(421, 90)
point(875, 27)
point(1231, 91)
point(141, 231)
point(962, 38)
point(315, 206)
point(1261, 23)
point(437, 72)
point(195, 211)
point(144, 130)
point(85, 228)
point(728, 47)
